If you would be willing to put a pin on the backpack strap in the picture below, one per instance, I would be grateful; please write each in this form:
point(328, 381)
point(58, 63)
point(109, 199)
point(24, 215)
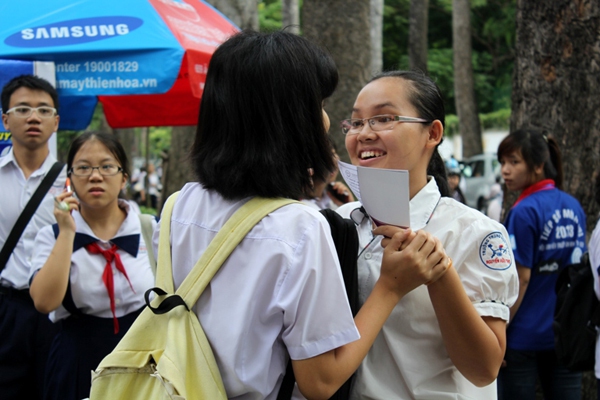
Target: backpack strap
point(219, 249)
point(146, 224)
point(27, 213)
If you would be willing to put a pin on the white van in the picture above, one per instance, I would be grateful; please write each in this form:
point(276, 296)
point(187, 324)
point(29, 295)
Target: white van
point(479, 173)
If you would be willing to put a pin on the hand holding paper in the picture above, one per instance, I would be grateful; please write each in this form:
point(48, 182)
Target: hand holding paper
point(384, 193)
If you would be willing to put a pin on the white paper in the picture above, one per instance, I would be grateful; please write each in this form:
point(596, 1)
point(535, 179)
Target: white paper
point(384, 193)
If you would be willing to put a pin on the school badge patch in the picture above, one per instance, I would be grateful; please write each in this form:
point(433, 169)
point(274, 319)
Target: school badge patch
point(494, 252)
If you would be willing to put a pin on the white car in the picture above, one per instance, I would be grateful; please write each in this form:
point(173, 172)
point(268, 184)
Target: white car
point(479, 173)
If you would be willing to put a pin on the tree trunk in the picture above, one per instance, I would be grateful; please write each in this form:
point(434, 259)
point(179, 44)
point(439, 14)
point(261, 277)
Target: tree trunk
point(376, 17)
point(342, 27)
point(243, 13)
point(290, 16)
point(466, 107)
point(556, 86)
point(417, 35)
point(127, 139)
point(176, 167)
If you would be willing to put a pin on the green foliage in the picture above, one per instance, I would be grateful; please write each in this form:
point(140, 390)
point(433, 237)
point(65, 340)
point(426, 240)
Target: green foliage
point(269, 15)
point(148, 210)
point(499, 119)
point(493, 32)
point(160, 141)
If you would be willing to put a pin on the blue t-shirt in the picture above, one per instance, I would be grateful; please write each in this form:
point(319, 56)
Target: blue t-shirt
point(547, 232)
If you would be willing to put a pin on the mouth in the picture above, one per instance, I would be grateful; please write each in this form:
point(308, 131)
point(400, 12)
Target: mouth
point(34, 130)
point(370, 154)
point(96, 190)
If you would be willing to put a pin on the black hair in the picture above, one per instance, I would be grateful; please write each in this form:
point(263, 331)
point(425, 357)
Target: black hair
point(28, 81)
point(426, 97)
point(110, 141)
point(536, 149)
point(261, 126)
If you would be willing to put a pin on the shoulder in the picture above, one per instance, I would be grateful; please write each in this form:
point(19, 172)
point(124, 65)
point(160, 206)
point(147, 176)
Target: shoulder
point(208, 210)
point(463, 221)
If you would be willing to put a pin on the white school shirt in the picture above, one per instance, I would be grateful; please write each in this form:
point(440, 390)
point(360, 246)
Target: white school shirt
point(594, 252)
point(87, 288)
point(16, 192)
point(408, 359)
point(280, 290)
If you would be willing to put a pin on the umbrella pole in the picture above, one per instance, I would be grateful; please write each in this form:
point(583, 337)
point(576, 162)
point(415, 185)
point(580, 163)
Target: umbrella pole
point(146, 134)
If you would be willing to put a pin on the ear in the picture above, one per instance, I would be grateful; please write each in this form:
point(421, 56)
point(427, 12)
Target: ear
point(436, 133)
point(5, 122)
point(124, 181)
point(538, 170)
point(56, 123)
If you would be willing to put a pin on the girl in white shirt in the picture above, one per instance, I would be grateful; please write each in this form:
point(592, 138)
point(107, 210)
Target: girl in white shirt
point(280, 294)
point(445, 340)
point(90, 271)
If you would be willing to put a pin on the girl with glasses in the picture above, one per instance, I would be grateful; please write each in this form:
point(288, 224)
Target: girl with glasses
point(280, 294)
point(91, 269)
point(445, 339)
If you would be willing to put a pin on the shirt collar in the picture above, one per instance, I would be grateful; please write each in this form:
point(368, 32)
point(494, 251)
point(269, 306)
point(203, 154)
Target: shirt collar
point(45, 167)
point(423, 204)
point(127, 237)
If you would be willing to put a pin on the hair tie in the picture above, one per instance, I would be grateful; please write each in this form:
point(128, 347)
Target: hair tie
point(545, 138)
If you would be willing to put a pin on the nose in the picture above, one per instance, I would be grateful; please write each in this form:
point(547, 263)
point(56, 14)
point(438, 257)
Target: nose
point(504, 169)
point(366, 133)
point(34, 116)
point(96, 173)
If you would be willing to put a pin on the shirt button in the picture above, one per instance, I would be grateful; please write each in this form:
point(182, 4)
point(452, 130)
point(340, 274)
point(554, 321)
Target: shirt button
point(117, 301)
point(114, 270)
point(368, 256)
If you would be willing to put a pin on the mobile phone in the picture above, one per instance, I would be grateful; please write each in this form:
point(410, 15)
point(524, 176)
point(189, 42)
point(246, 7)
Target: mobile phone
point(343, 197)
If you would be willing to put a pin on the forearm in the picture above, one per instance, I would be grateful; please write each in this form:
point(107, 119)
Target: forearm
point(321, 376)
point(474, 347)
point(524, 276)
point(50, 283)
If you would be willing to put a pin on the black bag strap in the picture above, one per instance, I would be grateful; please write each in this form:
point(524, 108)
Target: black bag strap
point(345, 238)
point(27, 213)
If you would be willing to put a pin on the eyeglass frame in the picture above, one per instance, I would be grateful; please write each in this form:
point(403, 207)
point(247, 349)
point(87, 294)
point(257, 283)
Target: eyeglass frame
point(31, 110)
point(396, 118)
point(72, 171)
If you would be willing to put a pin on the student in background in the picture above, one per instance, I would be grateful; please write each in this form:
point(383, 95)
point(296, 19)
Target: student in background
point(30, 113)
point(89, 271)
point(454, 185)
point(547, 232)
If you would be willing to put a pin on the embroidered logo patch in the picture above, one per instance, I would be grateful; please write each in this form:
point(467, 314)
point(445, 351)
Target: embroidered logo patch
point(494, 252)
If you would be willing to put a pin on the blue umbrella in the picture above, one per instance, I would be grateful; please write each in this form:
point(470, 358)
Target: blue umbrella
point(145, 60)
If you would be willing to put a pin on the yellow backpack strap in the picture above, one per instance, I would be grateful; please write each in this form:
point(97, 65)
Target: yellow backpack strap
point(146, 224)
point(219, 249)
point(164, 273)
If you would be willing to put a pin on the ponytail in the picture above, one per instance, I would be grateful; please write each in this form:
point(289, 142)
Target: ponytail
point(553, 167)
point(437, 169)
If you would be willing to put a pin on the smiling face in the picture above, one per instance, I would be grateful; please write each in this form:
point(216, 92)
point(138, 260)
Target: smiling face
point(96, 191)
point(406, 146)
point(32, 132)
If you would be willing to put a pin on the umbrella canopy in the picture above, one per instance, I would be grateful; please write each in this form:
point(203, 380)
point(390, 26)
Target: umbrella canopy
point(145, 60)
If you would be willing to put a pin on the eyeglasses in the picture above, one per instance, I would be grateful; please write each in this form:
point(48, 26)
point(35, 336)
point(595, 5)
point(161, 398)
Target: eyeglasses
point(26, 111)
point(377, 123)
point(104, 170)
